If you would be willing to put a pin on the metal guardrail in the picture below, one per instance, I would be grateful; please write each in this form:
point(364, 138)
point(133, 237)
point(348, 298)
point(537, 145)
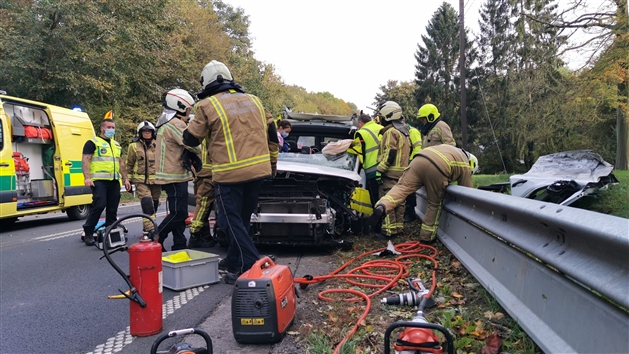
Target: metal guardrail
point(546, 265)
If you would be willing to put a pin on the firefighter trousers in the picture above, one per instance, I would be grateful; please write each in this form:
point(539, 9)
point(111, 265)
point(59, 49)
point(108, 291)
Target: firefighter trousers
point(149, 201)
point(393, 222)
point(235, 204)
point(175, 221)
point(421, 173)
point(204, 195)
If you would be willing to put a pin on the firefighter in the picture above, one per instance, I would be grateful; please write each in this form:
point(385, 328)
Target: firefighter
point(141, 169)
point(393, 157)
point(434, 168)
point(170, 173)
point(365, 145)
point(434, 131)
point(103, 168)
point(200, 236)
point(243, 146)
point(416, 146)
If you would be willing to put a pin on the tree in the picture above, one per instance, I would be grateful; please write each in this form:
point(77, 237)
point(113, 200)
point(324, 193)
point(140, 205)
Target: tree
point(609, 43)
point(402, 93)
point(437, 71)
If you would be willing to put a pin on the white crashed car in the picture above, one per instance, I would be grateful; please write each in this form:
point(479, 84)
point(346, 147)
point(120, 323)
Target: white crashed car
point(310, 200)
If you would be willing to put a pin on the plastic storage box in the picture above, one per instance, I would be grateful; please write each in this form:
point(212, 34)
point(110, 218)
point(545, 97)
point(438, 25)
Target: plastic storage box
point(202, 269)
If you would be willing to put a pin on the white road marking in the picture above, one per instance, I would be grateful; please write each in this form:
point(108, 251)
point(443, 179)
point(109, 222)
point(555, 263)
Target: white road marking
point(79, 231)
point(115, 344)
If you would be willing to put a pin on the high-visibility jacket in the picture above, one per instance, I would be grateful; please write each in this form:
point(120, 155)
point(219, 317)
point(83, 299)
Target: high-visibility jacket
point(105, 163)
point(239, 145)
point(439, 134)
point(168, 152)
point(140, 163)
point(393, 139)
point(416, 140)
point(369, 134)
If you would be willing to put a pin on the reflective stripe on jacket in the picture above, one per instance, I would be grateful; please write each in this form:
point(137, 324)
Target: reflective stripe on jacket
point(206, 171)
point(236, 125)
point(168, 152)
point(105, 163)
point(451, 162)
point(140, 163)
point(393, 139)
point(370, 133)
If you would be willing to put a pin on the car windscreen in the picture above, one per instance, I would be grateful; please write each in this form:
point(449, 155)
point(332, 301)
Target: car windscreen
point(342, 161)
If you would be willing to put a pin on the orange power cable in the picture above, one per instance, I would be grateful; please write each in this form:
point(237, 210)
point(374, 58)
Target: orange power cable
point(386, 274)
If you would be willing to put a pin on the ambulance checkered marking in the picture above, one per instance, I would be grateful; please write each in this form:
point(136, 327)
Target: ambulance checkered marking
point(115, 344)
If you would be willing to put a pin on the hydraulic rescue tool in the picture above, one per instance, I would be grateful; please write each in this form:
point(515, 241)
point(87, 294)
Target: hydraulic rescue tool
point(417, 337)
point(183, 348)
point(144, 280)
point(263, 303)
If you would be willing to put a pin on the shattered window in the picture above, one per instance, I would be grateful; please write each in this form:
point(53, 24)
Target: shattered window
point(343, 161)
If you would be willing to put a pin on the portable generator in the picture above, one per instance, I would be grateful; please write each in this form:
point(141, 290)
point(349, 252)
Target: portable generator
point(263, 303)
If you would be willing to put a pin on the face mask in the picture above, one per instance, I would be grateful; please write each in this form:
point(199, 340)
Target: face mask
point(109, 133)
point(284, 135)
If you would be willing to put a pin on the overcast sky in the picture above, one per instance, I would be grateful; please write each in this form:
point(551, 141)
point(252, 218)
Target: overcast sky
point(346, 47)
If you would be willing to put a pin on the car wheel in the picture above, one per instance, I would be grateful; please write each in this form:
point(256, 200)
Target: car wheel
point(79, 212)
point(221, 236)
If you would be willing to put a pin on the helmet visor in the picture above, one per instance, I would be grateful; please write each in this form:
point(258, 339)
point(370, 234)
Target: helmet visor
point(167, 115)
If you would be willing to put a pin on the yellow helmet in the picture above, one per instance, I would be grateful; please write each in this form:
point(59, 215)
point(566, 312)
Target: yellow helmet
point(428, 111)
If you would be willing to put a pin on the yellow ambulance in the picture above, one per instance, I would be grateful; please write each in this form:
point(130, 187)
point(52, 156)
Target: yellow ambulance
point(41, 147)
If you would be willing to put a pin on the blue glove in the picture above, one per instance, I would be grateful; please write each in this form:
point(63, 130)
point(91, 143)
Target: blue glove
point(378, 177)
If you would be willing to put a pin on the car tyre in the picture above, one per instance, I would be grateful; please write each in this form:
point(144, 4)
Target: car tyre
point(79, 212)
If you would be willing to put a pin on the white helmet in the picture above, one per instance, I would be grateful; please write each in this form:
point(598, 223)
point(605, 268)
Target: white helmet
point(144, 126)
point(473, 163)
point(213, 71)
point(178, 100)
point(390, 111)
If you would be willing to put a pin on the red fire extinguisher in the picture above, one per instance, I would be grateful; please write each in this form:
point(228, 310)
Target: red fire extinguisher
point(144, 281)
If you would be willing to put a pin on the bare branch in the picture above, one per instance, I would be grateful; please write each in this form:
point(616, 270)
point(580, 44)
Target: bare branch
point(574, 24)
point(582, 44)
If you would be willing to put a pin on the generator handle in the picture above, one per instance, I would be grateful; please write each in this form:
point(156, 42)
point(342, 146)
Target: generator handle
point(256, 268)
point(387, 333)
point(184, 332)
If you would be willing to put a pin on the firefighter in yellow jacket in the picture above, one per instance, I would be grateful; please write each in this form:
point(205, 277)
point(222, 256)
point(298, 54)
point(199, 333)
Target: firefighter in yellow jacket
point(434, 168)
point(365, 145)
point(170, 172)
point(393, 157)
point(141, 170)
point(434, 131)
point(200, 236)
point(243, 147)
